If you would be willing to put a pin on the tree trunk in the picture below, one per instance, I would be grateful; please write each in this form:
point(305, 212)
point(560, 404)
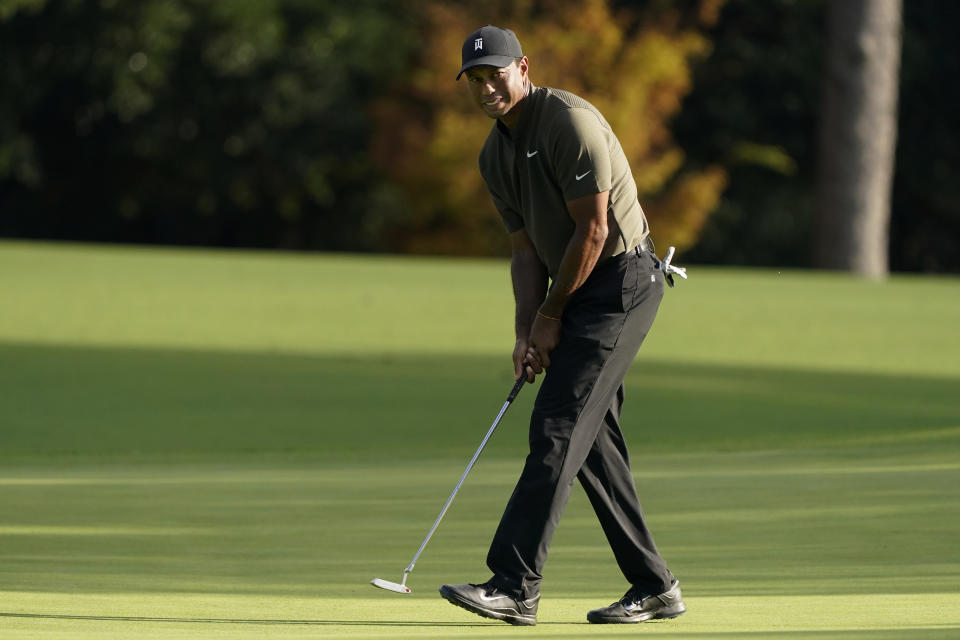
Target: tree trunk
point(858, 132)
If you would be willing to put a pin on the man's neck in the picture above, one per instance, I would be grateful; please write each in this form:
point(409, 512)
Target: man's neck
point(512, 119)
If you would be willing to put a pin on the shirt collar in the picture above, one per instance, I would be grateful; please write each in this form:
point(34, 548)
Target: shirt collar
point(528, 106)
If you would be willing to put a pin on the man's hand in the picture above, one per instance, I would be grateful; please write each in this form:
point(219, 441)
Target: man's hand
point(538, 324)
point(521, 366)
point(544, 337)
point(532, 356)
point(529, 289)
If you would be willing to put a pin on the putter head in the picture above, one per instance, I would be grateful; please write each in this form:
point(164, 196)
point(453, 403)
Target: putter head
point(390, 586)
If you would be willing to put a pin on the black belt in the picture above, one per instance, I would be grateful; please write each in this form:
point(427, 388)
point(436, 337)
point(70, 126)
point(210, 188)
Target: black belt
point(642, 248)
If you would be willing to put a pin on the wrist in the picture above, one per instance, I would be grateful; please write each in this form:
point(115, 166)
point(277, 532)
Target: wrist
point(552, 307)
point(548, 315)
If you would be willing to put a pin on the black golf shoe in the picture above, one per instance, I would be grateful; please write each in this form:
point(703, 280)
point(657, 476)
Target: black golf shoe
point(488, 601)
point(636, 606)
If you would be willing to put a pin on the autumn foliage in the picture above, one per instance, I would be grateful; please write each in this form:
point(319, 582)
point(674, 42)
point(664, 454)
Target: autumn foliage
point(634, 66)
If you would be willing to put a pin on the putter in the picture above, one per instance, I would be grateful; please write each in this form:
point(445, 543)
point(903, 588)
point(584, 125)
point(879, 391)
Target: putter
point(401, 587)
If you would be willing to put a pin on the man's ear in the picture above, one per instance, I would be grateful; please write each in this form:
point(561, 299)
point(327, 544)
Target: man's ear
point(524, 65)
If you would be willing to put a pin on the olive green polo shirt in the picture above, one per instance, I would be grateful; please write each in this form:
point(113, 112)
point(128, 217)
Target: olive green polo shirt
point(561, 149)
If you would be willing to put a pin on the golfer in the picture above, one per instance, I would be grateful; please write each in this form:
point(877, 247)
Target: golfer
point(562, 185)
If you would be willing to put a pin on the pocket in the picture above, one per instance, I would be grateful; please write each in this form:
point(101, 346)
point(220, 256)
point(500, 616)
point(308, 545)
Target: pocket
point(602, 292)
point(647, 282)
point(633, 282)
point(599, 302)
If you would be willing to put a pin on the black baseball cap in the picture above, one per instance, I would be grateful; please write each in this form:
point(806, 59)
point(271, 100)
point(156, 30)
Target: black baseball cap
point(492, 46)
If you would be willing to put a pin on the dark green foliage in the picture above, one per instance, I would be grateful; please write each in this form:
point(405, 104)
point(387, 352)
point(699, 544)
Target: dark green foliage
point(241, 123)
point(215, 123)
point(755, 106)
point(926, 193)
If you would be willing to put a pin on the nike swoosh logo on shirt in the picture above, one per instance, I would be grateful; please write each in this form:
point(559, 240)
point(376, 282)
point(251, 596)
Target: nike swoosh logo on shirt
point(530, 155)
point(580, 177)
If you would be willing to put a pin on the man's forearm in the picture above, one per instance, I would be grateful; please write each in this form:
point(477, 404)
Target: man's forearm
point(579, 259)
point(529, 289)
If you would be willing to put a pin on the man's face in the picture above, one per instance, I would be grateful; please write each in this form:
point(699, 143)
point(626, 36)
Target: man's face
point(498, 91)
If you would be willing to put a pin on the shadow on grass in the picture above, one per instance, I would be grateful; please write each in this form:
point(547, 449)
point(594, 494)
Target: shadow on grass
point(926, 631)
point(225, 523)
point(255, 621)
point(89, 401)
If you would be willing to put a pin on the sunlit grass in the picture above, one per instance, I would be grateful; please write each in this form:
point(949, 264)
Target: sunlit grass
point(387, 306)
point(232, 444)
point(781, 545)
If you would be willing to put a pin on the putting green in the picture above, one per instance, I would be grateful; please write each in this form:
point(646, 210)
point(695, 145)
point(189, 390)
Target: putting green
point(204, 444)
point(388, 307)
point(766, 543)
point(206, 616)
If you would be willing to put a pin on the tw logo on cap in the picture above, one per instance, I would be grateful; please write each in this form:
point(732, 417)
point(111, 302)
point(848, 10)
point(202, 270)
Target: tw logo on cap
point(489, 45)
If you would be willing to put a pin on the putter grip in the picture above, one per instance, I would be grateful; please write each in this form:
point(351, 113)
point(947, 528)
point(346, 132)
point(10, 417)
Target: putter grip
point(516, 387)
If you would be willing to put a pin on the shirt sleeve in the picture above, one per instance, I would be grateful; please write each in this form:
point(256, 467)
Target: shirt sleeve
point(511, 219)
point(581, 153)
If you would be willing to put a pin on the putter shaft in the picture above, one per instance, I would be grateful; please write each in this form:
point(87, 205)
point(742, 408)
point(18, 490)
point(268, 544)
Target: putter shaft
point(513, 394)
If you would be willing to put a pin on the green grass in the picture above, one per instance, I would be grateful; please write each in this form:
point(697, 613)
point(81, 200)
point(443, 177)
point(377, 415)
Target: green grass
point(232, 444)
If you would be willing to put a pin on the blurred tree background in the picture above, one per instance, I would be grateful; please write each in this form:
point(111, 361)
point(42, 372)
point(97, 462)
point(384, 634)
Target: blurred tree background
point(221, 122)
point(634, 65)
point(755, 106)
point(324, 125)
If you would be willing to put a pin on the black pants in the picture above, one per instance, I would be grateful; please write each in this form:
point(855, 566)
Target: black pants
point(575, 431)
